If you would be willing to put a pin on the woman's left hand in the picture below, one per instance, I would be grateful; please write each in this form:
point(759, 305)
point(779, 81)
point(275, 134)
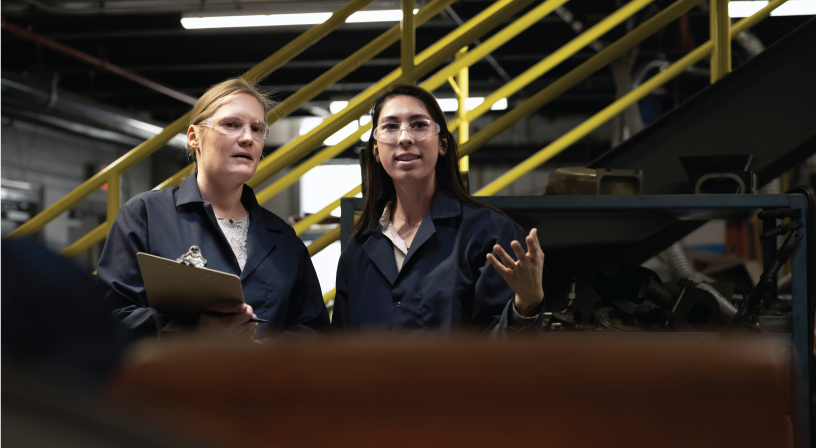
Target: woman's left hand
point(525, 275)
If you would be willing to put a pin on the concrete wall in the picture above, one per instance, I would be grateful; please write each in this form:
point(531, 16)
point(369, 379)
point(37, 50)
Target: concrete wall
point(57, 162)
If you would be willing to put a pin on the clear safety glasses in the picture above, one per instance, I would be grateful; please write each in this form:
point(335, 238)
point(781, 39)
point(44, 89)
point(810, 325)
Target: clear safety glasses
point(230, 125)
point(418, 130)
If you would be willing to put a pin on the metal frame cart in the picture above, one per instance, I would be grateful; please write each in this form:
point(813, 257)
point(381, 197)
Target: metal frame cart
point(584, 233)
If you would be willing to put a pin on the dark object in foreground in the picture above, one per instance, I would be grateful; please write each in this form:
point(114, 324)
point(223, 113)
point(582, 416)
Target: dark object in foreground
point(560, 390)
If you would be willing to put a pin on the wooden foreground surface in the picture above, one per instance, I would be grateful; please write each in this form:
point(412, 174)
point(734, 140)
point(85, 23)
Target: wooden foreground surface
point(567, 390)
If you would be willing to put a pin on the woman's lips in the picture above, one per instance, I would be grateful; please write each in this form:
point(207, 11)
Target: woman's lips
point(408, 157)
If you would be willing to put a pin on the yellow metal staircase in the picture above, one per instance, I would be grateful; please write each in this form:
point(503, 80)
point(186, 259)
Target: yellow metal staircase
point(413, 68)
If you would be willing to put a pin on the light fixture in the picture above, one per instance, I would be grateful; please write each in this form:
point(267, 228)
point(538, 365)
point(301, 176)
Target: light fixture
point(313, 18)
point(789, 8)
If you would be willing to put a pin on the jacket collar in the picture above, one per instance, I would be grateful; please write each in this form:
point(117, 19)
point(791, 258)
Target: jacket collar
point(189, 193)
point(444, 205)
point(378, 246)
point(261, 238)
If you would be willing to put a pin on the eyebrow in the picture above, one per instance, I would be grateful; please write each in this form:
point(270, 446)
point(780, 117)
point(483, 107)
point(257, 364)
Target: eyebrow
point(412, 117)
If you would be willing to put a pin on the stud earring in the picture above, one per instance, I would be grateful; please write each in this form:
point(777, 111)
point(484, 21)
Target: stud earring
point(442, 150)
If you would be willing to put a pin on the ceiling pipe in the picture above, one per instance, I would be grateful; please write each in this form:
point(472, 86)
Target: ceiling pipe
point(18, 96)
point(96, 62)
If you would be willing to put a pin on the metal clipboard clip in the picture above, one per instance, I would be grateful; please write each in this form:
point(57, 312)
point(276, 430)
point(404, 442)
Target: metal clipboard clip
point(193, 257)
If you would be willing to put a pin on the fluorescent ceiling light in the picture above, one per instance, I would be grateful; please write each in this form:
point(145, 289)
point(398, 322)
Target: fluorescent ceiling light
point(388, 15)
point(789, 8)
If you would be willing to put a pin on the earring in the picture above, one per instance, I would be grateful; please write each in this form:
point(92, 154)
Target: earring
point(442, 150)
point(376, 153)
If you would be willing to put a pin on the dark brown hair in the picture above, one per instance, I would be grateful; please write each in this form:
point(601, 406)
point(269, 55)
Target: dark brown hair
point(377, 184)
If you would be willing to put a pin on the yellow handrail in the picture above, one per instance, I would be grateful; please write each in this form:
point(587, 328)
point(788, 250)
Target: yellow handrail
point(336, 73)
point(431, 83)
point(323, 241)
point(329, 296)
point(578, 74)
point(424, 63)
point(315, 218)
point(156, 142)
point(624, 102)
point(618, 106)
point(563, 83)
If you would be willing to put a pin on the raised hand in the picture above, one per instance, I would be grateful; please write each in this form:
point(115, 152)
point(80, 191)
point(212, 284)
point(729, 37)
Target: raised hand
point(525, 275)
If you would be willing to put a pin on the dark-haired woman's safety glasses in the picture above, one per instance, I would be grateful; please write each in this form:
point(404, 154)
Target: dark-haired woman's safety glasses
point(418, 130)
point(230, 125)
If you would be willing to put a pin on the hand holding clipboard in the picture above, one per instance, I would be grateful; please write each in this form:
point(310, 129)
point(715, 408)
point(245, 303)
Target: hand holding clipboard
point(184, 285)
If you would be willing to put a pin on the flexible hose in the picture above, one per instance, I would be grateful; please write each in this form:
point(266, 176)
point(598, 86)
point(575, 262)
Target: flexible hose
point(677, 259)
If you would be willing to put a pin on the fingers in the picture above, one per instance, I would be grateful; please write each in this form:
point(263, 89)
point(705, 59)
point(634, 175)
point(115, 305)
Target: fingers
point(516, 246)
point(502, 269)
point(504, 257)
point(225, 307)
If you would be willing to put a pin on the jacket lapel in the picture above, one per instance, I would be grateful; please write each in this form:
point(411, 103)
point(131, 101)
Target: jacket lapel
point(260, 243)
point(424, 232)
point(380, 251)
point(261, 236)
point(444, 205)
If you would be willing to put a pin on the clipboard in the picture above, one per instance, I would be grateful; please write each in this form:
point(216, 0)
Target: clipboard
point(175, 287)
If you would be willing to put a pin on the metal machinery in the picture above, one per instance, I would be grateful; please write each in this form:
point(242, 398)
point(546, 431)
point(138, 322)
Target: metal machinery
point(593, 282)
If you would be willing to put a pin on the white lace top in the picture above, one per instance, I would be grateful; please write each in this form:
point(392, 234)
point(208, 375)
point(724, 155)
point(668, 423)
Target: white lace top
point(236, 232)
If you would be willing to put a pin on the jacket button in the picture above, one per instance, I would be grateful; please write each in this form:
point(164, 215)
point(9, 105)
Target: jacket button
point(398, 304)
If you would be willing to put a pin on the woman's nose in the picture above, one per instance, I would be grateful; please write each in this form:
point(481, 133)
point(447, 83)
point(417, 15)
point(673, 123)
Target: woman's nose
point(405, 137)
point(245, 135)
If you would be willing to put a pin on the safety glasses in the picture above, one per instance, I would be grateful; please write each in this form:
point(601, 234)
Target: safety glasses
point(418, 130)
point(231, 125)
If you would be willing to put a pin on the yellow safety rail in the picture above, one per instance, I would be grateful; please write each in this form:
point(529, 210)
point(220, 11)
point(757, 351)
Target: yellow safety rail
point(111, 175)
point(538, 100)
point(414, 67)
point(580, 73)
point(620, 105)
point(496, 13)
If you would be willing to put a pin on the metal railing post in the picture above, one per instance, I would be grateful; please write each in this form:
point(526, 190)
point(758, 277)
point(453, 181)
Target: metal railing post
point(407, 43)
point(463, 82)
point(720, 24)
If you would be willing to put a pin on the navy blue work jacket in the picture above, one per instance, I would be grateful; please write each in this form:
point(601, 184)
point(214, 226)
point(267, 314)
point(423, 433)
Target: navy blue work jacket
point(446, 283)
point(278, 280)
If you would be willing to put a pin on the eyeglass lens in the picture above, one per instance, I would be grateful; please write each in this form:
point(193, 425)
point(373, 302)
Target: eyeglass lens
point(235, 125)
point(418, 130)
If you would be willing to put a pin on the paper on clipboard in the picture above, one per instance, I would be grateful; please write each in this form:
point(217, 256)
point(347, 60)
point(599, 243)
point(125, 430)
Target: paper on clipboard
point(175, 287)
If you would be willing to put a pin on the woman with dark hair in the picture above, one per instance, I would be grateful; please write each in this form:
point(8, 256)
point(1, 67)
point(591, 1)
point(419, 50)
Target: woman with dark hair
point(214, 210)
point(420, 254)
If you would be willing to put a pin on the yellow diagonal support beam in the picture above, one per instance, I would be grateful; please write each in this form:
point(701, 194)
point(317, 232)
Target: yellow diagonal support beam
point(329, 296)
point(315, 218)
point(557, 57)
point(582, 130)
point(497, 40)
point(431, 57)
point(158, 141)
point(432, 83)
point(296, 173)
point(304, 41)
point(353, 62)
point(88, 241)
point(577, 75)
point(323, 241)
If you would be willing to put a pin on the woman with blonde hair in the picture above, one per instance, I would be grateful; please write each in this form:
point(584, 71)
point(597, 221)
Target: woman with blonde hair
point(214, 210)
